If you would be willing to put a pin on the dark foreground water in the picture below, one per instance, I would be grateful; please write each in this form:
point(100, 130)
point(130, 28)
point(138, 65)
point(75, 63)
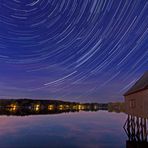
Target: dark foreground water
point(68, 130)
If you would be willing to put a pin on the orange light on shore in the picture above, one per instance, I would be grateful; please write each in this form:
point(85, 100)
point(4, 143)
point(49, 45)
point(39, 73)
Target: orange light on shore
point(61, 107)
point(13, 107)
point(37, 107)
point(81, 107)
point(50, 107)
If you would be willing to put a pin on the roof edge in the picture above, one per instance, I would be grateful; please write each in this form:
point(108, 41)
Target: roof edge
point(127, 94)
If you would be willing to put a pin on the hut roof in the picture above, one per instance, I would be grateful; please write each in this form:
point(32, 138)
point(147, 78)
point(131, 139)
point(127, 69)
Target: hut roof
point(140, 85)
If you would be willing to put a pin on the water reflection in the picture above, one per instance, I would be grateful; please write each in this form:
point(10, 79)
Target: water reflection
point(99, 129)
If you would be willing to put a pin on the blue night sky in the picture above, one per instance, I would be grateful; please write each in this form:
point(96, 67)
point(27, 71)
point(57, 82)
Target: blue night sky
point(75, 50)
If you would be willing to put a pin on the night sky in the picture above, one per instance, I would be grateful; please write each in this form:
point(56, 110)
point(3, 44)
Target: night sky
point(76, 50)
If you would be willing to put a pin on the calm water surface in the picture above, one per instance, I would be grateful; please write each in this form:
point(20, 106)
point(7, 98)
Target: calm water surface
point(68, 130)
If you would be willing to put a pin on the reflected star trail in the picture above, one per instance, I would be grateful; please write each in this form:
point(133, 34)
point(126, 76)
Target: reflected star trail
point(72, 49)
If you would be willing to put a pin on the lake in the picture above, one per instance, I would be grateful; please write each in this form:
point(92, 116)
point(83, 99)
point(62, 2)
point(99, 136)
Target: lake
point(99, 129)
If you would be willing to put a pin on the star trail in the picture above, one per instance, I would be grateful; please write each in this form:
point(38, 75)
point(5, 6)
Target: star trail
point(72, 49)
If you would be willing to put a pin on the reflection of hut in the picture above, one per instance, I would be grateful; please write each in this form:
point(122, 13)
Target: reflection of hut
point(136, 98)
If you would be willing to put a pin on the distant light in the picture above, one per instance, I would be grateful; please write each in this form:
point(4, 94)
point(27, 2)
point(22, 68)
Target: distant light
point(37, 107)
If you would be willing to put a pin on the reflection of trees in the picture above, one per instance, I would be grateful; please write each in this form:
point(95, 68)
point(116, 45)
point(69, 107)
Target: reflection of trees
point(136, 130)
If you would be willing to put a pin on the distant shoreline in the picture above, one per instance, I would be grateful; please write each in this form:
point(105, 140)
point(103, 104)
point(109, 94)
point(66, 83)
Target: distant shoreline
point(14, 105)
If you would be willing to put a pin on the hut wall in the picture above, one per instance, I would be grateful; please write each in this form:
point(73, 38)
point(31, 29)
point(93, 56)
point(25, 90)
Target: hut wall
point(137, 104)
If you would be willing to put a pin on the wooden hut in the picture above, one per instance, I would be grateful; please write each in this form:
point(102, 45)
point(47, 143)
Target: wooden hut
point(136, 98)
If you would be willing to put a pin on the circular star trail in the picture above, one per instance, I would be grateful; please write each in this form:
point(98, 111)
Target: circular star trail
point(72, 48)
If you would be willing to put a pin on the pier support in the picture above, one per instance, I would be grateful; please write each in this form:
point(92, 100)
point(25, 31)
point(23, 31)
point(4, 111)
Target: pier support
point(136, 128)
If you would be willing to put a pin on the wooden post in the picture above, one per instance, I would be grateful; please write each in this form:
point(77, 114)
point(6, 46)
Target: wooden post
point(136, 128)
